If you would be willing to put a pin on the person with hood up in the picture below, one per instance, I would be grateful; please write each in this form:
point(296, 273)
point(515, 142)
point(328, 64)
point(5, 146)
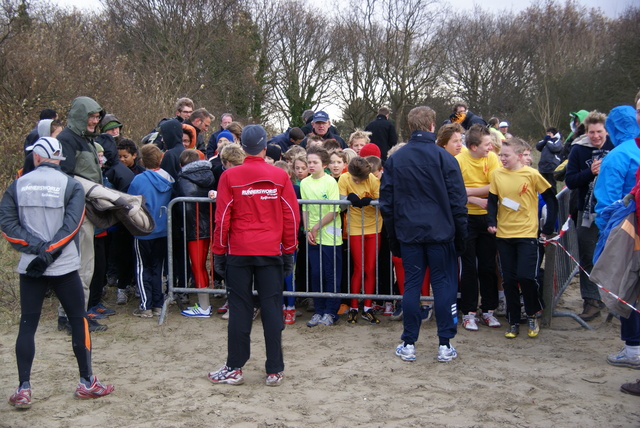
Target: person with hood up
point(549, 147)
point(77, 141)
point(616, 179)
point(171, 131)
point(584, 165)
point(195, 181)
point(156, 185)
point(45, 128)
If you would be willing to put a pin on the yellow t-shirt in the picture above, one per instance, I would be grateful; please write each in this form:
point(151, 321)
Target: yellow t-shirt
point(367, 188)
point(517, 192)
point(476, 173)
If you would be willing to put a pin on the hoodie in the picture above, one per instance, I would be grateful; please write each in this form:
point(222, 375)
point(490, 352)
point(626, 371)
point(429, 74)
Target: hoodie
point(549, 148)
point(195, 181)
point(77, 141)
point(156, 187)
point(116, 172)
point(171, 131)
point(579, 175)
point(618, 169)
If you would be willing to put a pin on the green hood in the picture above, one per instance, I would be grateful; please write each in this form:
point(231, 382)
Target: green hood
point(80, 110)
point(580, 114)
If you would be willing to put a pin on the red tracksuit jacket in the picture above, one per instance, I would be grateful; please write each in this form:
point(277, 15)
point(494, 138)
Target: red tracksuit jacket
point(257, 211)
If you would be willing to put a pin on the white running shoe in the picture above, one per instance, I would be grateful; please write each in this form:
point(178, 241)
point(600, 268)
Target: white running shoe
point(196, 311)
point(314, 321)
point(489, 320)
point(446, 354)
point(469, 321)
point(121, 298)
point(406, 353)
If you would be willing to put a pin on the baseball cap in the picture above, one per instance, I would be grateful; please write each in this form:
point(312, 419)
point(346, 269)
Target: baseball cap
point(320, 116)
point(254, 139)
point(47, 147)
point(503, 124)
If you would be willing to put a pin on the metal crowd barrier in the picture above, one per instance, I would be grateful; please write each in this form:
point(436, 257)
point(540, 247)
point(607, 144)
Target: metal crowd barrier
point(559, 268)
point(177, 205)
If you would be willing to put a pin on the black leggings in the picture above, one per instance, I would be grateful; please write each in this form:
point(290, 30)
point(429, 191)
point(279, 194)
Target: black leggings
point(68, 288)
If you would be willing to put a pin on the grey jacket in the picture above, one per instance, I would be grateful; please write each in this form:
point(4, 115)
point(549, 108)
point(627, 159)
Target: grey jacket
point(41, 212)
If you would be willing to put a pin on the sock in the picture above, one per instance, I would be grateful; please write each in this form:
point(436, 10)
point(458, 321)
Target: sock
point(25, 385)
point(367, 308)
point(631, 343)
point(86, 381)
point(500, 294)
point(444, 341)
point(633, 350)
point(291, 308)
point(409, 343)
point(203, 300)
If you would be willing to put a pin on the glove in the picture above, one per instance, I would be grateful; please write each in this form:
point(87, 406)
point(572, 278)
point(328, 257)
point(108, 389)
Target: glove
point(461, 246)
point(40, 264)
point(365, 201)
point(287, 260)
point(220, 264)
point(355, 200)
point(628, 198)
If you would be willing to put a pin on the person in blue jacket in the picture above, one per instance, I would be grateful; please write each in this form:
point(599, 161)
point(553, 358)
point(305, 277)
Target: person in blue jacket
point(422, 178)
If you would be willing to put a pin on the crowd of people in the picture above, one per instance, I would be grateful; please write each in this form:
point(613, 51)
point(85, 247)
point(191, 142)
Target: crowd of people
point(457, 208)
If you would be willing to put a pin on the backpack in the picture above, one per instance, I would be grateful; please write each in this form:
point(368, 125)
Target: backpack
point(154, 137)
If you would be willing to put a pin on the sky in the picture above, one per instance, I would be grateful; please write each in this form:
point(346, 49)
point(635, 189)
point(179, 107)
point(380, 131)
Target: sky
point(611, 8)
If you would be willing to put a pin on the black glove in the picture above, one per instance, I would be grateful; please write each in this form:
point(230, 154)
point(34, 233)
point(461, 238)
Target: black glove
point(355, 200)
point(40, 264)
point(365, 201)
point(220, 264)
point(461, 246)
point(287, 260)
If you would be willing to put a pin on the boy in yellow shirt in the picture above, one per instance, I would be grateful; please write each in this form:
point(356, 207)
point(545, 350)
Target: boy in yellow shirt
point(513, 217)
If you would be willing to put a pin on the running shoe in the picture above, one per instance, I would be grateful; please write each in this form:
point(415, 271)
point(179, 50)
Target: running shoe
point(274, 379)
point(143, 313)
point(102, 309)
point(196, 311)
point(96, 326)
point(512, 333)
point(370, 317)
point(315, 319)
point(446, 353)
point(94, 315)
point(469, 321)
point(256, 311)
point(377, 308)
point(490, 320)
point(353, 316)
point(343, 309)
point(225, 316)
point(227, 375)
point(21, 399)
point(502, 308)
point(121, 298)
point(327, 320)
point(397, 314)
point(406, 352)
point(156, 312)
point(388, 309)
point(95, 390)
point(289, 316)
point(224, 308)
point(624, 358)
point(533, 326)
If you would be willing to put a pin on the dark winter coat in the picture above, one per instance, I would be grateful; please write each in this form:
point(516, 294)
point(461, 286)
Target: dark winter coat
point(172, 136)
point(195, 180)
point(383, 134)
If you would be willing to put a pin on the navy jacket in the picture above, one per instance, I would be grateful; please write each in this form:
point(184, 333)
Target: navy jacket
point(579, 175)
point(422, 194)
point(383, 134)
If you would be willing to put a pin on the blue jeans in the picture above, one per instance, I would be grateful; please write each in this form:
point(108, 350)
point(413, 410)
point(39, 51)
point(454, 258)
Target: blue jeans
point(327, 278)
point(442, 260)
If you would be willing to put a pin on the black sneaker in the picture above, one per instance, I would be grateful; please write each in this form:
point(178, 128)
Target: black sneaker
point(369, 316)
point(96, 326)
point(353, 316)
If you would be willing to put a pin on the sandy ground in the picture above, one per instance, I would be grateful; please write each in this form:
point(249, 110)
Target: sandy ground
point(346, 375)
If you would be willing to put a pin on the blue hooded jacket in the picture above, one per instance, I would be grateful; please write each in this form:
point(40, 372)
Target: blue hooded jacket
point(618, 170)
point(156, 187)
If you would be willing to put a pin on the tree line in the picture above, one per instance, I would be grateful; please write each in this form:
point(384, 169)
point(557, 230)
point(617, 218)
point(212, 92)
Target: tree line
point(269, 60)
